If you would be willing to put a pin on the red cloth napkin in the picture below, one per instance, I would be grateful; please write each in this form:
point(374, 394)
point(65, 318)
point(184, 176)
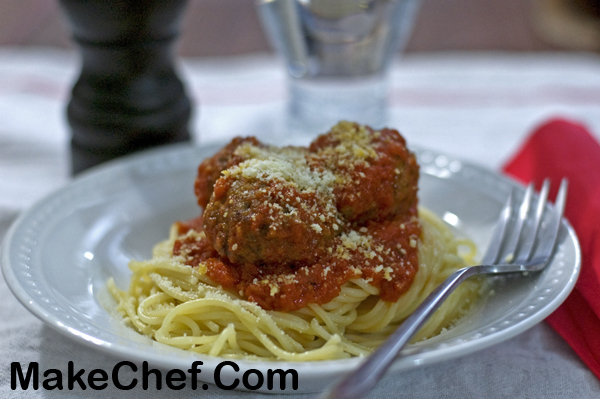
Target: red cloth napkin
point(557, 149)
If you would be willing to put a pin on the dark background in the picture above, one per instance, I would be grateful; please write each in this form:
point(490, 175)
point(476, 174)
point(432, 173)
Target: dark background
point(228, 27)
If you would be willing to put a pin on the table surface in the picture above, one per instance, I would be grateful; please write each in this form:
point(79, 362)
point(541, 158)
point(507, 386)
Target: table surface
point(478, 106)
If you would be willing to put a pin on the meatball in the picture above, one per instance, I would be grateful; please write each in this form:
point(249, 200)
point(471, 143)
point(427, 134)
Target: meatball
point(210, 170)
point(269, 220)
point(377, 175)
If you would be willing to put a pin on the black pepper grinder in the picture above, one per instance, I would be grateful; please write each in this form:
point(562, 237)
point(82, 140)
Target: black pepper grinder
point(128, 96)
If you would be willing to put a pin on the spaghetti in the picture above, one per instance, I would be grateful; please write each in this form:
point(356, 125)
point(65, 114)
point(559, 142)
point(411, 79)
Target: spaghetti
point(350, 271)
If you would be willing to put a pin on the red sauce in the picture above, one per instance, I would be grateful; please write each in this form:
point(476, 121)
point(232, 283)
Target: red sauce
point(320, 282)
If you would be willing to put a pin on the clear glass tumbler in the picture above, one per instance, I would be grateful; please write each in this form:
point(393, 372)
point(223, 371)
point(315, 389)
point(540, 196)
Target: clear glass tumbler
point(338, 54)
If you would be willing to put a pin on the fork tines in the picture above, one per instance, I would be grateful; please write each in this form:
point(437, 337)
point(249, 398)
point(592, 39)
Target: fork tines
point(526, 234)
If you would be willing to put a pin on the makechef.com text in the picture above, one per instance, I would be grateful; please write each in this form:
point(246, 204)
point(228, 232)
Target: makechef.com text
point(127, 375)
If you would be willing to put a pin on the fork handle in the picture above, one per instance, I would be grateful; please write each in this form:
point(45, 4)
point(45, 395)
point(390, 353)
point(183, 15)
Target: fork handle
point(359, 382)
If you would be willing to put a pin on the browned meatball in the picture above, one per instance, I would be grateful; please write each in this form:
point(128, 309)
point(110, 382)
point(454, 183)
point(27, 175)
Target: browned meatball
point(269, 220)
point(210, 170)
point(377, 175)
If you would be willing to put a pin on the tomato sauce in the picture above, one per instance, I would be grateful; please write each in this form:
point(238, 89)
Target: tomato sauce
point(389, 265)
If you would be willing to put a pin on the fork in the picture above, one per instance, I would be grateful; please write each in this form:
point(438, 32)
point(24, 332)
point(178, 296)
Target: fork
point(523, 240)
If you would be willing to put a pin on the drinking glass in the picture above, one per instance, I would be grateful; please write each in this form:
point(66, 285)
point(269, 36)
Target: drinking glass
point(337, 54)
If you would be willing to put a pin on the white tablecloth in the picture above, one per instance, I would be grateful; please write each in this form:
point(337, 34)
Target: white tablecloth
point(478, 106)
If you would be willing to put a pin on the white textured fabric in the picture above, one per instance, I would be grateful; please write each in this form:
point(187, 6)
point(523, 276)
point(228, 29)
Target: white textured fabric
point(478, 106)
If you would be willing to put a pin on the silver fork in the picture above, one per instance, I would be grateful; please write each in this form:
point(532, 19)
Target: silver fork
point(523, 241)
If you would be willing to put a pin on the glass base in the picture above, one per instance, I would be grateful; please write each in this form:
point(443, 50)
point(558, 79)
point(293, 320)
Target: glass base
point(318, 104)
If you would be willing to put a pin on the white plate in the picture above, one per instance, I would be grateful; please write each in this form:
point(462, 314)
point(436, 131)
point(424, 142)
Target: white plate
point(58, 256)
